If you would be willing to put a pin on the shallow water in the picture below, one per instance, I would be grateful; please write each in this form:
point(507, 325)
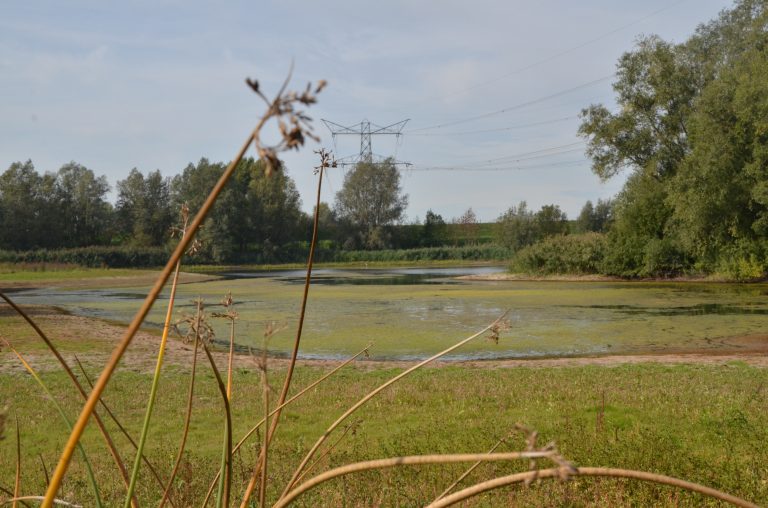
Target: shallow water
point(412, 313)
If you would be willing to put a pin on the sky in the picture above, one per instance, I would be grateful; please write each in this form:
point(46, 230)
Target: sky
point(491, 89)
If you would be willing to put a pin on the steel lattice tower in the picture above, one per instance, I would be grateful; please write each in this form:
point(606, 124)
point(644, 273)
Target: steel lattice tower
point(365, 130)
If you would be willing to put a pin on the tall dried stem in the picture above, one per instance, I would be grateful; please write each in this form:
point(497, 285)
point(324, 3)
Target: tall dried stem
point(187, 419)
point(76, 382)
point(493, 327)
point(289, 401)
point(503, 481)
point(158, 368)
point(326, 161)
point(292, 139)
point(406, 461)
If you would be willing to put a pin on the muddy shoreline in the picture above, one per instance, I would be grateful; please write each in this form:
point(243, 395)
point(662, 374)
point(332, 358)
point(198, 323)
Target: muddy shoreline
point(67, 330)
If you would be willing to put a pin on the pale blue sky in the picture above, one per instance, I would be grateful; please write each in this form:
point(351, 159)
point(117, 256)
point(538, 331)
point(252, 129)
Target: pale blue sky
point(159, 84)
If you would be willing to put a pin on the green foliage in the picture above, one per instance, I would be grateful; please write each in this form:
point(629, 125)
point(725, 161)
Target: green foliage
point(94, 257)
point(371, 198)
point(595, 218)
point(434, 231)
point(692, 119)
point(571, 254)
point(143, 209)
point(516, 228)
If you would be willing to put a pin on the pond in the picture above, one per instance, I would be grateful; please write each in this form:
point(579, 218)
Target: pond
point(411, 313)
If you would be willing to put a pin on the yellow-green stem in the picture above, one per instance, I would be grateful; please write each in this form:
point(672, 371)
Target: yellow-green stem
point(153, 390)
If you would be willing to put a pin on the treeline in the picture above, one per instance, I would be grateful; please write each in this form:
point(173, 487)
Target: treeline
point(692, 127)
point(69, 209)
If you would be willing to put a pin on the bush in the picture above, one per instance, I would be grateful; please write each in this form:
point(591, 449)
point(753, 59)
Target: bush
point(571, 254)
point(744, 261)
point(93, 257)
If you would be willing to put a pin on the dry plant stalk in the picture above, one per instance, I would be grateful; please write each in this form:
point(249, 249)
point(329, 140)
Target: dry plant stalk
point(588, 471)
point(76, 382)
point(181, 231)
point(120, 426)
point(17, 482)
point(326, 161)
point(472, 468)
point(373, 393)
point(188, 414)
point(405, 461)
point(283, 105)
point(304, 390)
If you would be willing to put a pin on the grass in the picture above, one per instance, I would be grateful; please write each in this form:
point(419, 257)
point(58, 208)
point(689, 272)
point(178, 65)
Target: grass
point(38, 273)
point(701, 423)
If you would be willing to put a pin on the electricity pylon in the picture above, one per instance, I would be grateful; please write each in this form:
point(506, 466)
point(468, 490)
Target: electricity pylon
point(365, 130)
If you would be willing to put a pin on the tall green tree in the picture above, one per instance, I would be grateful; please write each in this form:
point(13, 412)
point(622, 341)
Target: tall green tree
point(516, 227)
point(144, 212)
point(370, 199)
point(83, 206)
point(30, 218)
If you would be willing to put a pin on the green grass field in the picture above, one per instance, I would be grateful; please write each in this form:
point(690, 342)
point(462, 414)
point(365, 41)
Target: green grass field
point(705, 424)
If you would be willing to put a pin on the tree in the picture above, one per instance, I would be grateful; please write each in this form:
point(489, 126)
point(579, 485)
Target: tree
point(143, 209)
point(594, 218)
point(254, 215)
point(30, 218)
point(434, 230)
point(516, 227)
point(82, 201)
point(467, 227)
point(551, 221)
point(370, 199)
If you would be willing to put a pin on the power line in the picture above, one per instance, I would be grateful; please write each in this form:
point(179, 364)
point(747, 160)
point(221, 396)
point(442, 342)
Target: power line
point(499, 129)
point(543, 152)
point(515, 107)
point(565, 52)
point(552, 165)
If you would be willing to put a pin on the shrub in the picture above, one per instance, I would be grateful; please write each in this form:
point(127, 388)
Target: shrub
point(571, 254)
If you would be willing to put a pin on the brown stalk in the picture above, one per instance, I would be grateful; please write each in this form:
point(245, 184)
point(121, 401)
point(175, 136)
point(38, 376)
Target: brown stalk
point(228, 415)
point(373, 393)
point(265, 443)
point(262, 421)
point(471, 468)
point(10, 493)
point(329, 450)
point(325, 162)
point(277, 107)
point(589, 471)
point(187, 419)
point(17, 482)
point(405, 461)
point(45, 469)
point(99, 422)
point(119, 426)
point(40, 498)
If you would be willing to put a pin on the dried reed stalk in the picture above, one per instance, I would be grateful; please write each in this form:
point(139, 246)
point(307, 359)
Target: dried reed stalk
point(292, 399)
point(293, 139)
point(62, 414)
point(102, 428)
point(588, 471)
point(407, 461)
point(493, 326)
point(187, 420)
point(471, 468)
point(120, 426)
point(156, 376)
point(17, 480)
point(326, 161)
point(59, 502)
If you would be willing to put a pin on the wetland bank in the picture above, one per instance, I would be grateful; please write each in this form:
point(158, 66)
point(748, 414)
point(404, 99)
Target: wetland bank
point(410, 313)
